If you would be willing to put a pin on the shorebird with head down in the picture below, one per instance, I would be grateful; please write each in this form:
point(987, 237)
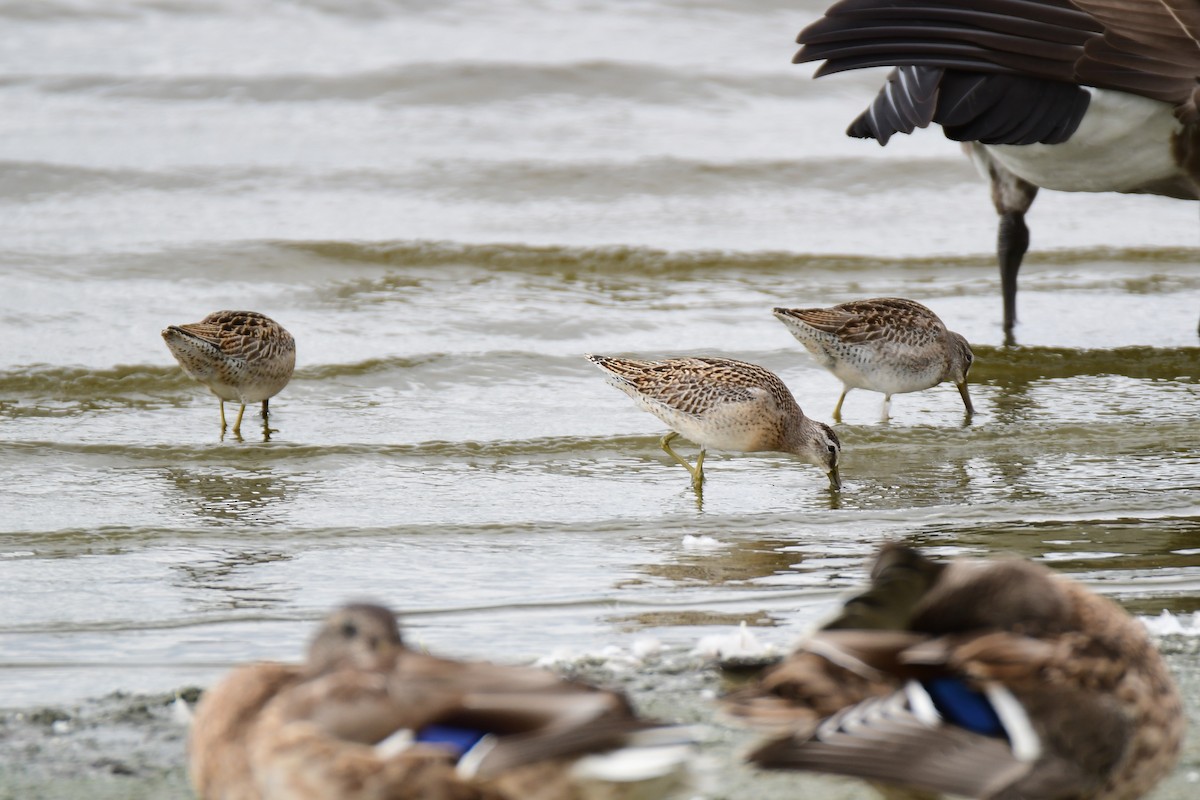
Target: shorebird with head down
point(887, 345)
point(723, 404)
point(241, 356)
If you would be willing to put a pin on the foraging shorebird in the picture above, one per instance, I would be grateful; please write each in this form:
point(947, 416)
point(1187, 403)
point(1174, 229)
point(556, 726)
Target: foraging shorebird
point(1072, 95)
point(241, 356)
point(889, 345)
point(366, 718)
point(726, 405)
point(995, 679)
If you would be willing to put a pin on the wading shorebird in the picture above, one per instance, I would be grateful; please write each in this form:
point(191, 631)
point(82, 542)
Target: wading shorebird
point(996, 679)
point(887, 345)
point(723, 404)
point(1072, 95)
point(241, 356)
point(367, 718)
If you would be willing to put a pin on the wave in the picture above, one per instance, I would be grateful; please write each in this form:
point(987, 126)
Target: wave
point(645, 260)
point(31, 180)
point(555, 259)
point(591, 181)
point(437, 84)
point(1022, 364)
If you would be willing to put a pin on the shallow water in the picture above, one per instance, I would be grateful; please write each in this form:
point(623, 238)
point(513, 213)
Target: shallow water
point(448, 204)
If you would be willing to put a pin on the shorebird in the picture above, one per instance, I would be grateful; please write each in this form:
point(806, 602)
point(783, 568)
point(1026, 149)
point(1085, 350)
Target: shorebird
point(1072, 95)
point(241, 356)
point(367, 718)
point(889, 345)
point(723, 404)
point(982, 679)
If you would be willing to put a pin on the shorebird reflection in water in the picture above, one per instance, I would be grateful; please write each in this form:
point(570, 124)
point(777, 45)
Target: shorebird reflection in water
point(983, 679)
point(726, 405)
point(241, 356)
point(1072, 95)
point(887, 345)
point(367, 718)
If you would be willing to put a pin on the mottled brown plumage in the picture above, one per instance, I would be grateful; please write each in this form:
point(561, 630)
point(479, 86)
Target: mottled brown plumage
point(341, 726)
point(726, 405)
point(888, 344)
point(241, 356)
point(1083, 705)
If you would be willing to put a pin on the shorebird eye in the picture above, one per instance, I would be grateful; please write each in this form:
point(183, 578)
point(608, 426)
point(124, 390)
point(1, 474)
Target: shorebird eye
point(833, 450)
point(349, 630)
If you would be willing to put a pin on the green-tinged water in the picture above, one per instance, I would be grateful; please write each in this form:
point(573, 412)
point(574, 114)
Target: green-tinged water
point(448, 204)
point(445, 447)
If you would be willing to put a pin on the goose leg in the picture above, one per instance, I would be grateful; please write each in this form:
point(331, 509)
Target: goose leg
point(1012, 197)
point(1012, 242)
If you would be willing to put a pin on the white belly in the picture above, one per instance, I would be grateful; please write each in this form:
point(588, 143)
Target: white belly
point(1123, 144)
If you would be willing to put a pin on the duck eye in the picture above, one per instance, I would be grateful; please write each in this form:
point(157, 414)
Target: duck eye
point(349, 630)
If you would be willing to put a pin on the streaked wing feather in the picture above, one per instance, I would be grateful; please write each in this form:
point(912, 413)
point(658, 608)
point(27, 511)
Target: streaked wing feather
point(1150, 49)
point(881, 740)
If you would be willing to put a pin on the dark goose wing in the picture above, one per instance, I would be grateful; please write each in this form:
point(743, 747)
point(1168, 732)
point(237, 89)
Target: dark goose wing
point(1006, 71)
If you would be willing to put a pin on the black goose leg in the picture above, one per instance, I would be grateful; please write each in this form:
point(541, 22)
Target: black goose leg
point(1011, 245)
point(1012, 197)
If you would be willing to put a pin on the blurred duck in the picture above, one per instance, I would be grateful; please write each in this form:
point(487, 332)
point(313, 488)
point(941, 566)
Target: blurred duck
point(992, 679)
point(366, 718)
point(1073, 95)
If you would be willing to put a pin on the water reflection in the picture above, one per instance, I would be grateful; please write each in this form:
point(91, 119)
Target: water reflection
point(225, 580)
point(230, 496)
point(714, 564)
point(692, 618)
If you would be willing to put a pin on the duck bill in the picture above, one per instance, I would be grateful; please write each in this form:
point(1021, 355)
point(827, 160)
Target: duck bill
point(966, 396)
point(835, 480)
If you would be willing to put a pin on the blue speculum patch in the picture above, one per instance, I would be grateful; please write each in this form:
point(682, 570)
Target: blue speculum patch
point(963, 706)
point(457, 740)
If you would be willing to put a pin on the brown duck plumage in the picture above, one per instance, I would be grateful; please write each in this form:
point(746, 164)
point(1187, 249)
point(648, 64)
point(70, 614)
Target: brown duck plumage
point(339, 727)
point(1087, 706)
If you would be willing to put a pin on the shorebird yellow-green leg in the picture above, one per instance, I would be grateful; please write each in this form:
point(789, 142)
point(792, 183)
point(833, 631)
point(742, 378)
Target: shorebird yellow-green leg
point(237, 426)
point(697, 472)
point(266, 416)
point(837, 410)
point(224, 425)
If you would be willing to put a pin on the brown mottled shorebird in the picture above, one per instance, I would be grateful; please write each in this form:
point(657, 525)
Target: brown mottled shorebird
point(366, 718)
point(983, 679)
point(726, 405)
point(241, 356)
point(889, 345)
